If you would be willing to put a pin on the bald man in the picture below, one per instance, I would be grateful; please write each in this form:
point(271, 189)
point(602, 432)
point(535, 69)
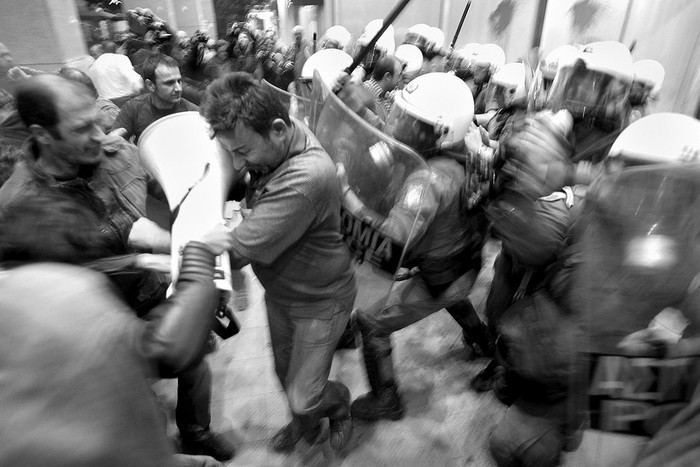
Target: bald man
point(68, 152)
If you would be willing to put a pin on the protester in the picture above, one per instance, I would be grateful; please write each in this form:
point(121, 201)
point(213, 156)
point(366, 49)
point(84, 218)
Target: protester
point(75, 357)
point(164, 84)
point(292, 239)
point(114, 77)
point(68, 152)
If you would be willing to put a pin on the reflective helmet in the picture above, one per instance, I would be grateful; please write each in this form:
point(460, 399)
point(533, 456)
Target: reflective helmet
point(657, 139)
point(648, 77)
point(335, 37)
point(418, 35)
point(297, 30)
point(596, 85)
point(433, 112)
point(509, 85)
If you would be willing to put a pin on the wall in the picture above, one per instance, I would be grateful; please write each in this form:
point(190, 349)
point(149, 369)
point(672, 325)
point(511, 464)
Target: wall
point(42, 34)
point(669, 32)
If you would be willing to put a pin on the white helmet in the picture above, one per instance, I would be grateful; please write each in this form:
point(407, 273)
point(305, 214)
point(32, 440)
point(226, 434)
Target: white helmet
point(460, 59)
point(650, 74)
point(596, 84)
point(418, 35)
point(386, 43)
point(509, 83)
point(611, 57)
point(469, 50)
point(434, 111)
point(328, 62)
point(336, 37)
point(489, 55)
point(436, 41)
point(658, 139)
point(411, 57)
point(564, 54)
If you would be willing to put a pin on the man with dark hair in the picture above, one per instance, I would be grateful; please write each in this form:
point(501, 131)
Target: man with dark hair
point(68, 152)
point(385, 77)
point(292, 239)
point(163, 81)
point(75, 356)
point(372, 100)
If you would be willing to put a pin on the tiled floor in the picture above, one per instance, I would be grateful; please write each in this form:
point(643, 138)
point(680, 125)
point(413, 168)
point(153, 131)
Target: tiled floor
point(446, 423)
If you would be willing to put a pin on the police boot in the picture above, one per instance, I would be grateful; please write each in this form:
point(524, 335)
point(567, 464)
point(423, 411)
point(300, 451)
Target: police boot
point(474, 332)
point(383, 401)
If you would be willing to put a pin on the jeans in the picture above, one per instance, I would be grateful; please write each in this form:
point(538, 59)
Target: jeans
point(303, 352)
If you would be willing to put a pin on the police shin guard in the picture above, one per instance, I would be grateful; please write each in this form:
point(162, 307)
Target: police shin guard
point(475, 333)
point(383, 401)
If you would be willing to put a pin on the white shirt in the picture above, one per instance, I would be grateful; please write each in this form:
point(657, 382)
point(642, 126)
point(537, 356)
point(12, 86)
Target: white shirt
point(114, 76)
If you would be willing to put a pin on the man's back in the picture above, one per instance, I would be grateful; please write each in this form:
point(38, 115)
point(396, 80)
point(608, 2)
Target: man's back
point(114, 76)
point(75, 391)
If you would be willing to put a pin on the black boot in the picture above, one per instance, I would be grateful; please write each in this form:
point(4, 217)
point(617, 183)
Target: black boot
point(474, 332)
point(206, 443)
point(383, 401)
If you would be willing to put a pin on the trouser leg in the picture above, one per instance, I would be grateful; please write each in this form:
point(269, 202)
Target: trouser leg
point(192, 413)
point(475, 332)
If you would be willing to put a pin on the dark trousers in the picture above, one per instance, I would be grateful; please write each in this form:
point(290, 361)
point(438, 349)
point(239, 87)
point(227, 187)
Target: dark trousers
point(192, 413)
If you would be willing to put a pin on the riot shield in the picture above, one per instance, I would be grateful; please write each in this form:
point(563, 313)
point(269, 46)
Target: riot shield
point(635, 293)
point(377, 167)
point(298, 107)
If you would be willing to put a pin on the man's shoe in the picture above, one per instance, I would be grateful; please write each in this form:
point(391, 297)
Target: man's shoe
point(206, 443)
point(286, 439)
point(374, 407)
point(341, 430)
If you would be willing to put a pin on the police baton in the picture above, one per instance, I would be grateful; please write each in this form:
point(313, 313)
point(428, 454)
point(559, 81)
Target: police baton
point(370, 45)
point(459, 26)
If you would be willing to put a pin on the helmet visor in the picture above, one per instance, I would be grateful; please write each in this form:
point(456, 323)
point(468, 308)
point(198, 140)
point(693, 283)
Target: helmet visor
point(411, 131)
point(590, 94)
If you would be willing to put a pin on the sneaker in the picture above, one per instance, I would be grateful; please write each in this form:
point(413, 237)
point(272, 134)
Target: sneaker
point(206, 443)
point(371, 407)
point(341, 430)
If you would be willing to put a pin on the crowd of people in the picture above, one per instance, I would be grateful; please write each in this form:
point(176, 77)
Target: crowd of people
point(524, 154)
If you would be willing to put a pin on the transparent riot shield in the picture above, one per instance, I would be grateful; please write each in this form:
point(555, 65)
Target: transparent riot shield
point(298, 107)
point(637, 294)
point(377, 168)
